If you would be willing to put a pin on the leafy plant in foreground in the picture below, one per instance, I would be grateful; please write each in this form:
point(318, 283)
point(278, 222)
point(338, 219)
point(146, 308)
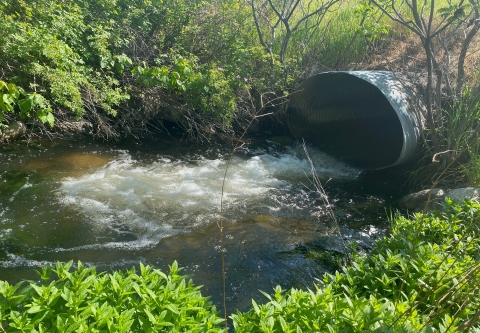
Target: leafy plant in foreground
point(424, 277)
point(83, 300)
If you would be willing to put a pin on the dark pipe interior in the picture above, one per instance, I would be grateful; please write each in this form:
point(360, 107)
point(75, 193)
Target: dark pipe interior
point(347, 117)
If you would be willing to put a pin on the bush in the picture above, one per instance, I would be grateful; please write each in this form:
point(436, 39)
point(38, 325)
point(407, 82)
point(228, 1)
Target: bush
point(423, 278)
point(14, 100)
point(95, 59)
point(86, 301)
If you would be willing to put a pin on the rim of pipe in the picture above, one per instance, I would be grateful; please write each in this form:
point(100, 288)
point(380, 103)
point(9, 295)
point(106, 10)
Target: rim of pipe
point(408, 108)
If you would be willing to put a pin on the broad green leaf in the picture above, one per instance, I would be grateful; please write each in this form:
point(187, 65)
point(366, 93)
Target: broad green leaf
point(50, 119)
point(12, 89)
point(119, 67)
point(37, 100)
point(35, 309)
point(25, 104)
point(8, 99)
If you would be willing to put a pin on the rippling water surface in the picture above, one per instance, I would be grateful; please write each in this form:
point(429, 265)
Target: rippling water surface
point(116, 205)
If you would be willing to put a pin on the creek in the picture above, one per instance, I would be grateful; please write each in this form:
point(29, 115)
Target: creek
point(114, 205)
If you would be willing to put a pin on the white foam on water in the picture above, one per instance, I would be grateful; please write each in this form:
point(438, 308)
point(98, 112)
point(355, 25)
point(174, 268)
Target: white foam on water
point(19, 261)
point(14, 261)
point(153, 201)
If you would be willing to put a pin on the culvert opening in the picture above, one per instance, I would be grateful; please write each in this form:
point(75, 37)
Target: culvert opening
point(349, 117)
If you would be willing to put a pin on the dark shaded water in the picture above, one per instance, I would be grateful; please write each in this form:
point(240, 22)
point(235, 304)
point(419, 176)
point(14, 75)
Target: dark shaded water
point(115, 205)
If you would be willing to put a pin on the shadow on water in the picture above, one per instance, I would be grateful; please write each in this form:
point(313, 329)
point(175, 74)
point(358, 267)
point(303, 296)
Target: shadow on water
point(116, 205)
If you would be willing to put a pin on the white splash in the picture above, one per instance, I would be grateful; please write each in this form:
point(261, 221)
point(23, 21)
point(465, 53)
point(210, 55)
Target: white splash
point(149, 202)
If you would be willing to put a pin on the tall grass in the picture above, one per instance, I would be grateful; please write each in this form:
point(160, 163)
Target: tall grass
point(339, 38)
point(349, 36)
point(346, 36)
point(472, 168)
point(458, 160)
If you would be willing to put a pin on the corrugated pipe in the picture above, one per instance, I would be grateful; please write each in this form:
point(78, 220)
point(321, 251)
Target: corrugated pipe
point(368, 118)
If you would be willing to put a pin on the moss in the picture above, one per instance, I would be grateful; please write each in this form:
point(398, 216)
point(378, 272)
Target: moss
point(13, 180)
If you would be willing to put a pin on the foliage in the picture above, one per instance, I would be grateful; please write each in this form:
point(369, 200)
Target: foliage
point(52, 48)
point(83, 300)
point(14, 99)
point(321, 311)
point(121, 64)
point(424, 277)
point(209, 90)
point(430, 261)
point(91, 57)
point(458, 139)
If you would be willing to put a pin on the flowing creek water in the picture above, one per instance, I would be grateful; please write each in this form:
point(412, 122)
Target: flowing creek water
point(116, 205)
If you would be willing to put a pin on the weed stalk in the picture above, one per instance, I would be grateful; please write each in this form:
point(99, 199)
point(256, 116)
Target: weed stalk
point(315, 181)
point(236, 144)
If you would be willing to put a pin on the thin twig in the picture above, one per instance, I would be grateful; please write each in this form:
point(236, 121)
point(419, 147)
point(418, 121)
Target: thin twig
point(434, 158)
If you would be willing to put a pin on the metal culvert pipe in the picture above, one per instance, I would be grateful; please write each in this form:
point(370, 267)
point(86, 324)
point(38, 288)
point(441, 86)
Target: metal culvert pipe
point(368, 118)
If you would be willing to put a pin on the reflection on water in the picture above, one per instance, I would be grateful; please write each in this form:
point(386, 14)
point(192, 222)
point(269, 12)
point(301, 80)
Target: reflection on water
point(116, 206)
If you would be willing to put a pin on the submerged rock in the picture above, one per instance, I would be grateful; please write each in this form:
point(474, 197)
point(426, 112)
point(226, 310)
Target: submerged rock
point(70, 165)
point(13, 181)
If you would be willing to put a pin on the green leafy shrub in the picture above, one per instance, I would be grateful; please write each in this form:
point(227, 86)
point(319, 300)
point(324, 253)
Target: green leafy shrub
point(322, 311)
point(80, 55)
point(207, 89)
point(15, 100)
point(83, 300)
point(424, 277)
point(54, 48)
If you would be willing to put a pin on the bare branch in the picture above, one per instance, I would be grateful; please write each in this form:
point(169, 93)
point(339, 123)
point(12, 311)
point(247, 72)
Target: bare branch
point(399, 18)
point(257, 25)
point(466, 45)
point(420, 23)
point(319, 10)
point(287, 21)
